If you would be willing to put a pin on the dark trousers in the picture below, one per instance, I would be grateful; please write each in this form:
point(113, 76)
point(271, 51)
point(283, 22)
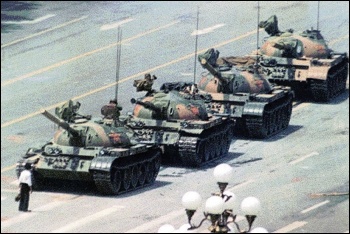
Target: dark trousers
point(24, 202)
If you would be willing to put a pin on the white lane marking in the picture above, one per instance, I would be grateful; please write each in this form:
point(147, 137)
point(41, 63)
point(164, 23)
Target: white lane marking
point(299, 106)
point(88, 219)
point(291, 227)
point(157, 223)
point(114, 25)
point(15, 182)
point(314, 207)
point(10, 190)
point(206, 30)
point(186, 74)
point(303, 158)
point(30, 21)
point(42, 32)
point(240, 185)
point(24, 216)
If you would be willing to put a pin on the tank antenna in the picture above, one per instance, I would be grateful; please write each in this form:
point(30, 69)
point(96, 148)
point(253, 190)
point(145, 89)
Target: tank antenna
point(318, 13)
point(257, 34)
point(195, 51)
point(118, 61)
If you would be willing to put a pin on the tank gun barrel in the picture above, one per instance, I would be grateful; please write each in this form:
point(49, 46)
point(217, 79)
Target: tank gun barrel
point(60, 123)
point(211, 69)
point(147, 105)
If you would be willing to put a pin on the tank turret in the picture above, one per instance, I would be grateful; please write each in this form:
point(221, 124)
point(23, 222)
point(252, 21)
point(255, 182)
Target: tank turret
point(227, 79)
point(102, 151)
point(158, 111)
point(303, 61)
point(242, 94)
point(61, 123)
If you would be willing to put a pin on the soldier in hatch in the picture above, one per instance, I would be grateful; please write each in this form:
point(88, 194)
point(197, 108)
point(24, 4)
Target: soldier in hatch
point(145, 84)
point(111, 110)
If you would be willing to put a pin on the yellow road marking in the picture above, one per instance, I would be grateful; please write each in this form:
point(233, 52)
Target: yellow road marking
point(125, 79)
point(5, 83)
point(42, 32)
point(8, 168)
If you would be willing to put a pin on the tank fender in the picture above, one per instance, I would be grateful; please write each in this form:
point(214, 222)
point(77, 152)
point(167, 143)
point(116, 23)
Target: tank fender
point(102, 163)
point(318, 72)
point(254, 108)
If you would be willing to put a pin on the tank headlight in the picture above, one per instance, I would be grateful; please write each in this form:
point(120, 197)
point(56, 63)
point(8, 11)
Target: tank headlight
point(56, 151)
point(104, 152)
point(50, 150)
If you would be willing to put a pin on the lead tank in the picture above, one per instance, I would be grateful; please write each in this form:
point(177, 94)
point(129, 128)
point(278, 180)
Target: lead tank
point(180, 124)
point(240, 93)
point(303, 61)
point(103, 151)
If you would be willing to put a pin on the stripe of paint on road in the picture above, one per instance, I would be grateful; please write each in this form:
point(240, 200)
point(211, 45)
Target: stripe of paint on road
point(157, 223)
point(88, 219)
point(24, 216)
point(8, 168)
point(303, 158)
point(30, 21)
point(291, 227)
point(48, 68)
point(314, 207)
point(298, 106)
point(42, 32)
point(206, 30)
point(240, 185)
point(114, 25)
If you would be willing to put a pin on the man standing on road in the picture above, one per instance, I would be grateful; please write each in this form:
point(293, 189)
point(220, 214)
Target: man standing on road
point(25, 186)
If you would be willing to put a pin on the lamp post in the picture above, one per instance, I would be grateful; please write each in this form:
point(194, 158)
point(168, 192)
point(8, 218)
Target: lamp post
point(219, 207)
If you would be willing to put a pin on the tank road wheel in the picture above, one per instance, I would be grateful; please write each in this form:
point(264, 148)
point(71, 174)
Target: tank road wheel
point(264, 132)
point(116, 181)
point(156, 167)
point(149, 172)
point(211, 148)
point(127, 178)
point(320, 90)
point(218, 149)
point(134, 176)
point(142, 176)
point(202, 151)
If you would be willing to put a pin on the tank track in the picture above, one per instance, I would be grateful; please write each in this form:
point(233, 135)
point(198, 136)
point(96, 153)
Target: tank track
point(126, 176)
point(335, 84)
point(275, 118)
point(195, 151)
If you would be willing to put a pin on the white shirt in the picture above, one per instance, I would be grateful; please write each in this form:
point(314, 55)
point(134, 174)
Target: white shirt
point(26, 177)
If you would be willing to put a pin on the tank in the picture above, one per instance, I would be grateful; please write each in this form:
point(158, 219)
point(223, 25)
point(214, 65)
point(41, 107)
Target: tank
point(102, 150)
point(181, 125)
point(303, 61)
point(240, 93)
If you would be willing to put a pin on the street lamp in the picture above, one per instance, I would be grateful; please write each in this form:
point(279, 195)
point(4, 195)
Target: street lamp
point(219, 207)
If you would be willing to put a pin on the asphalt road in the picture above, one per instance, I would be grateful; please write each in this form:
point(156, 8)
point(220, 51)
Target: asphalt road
point(55, 51)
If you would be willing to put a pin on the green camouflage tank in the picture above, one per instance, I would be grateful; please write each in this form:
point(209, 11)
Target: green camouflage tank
point(303, 61)
point(239, 92)
point(101, 150)
point(181, 125)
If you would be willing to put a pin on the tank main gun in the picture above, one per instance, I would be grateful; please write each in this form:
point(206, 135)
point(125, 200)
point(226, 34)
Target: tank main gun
point(61, 123)
point(147, 105)
point(215, 72)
